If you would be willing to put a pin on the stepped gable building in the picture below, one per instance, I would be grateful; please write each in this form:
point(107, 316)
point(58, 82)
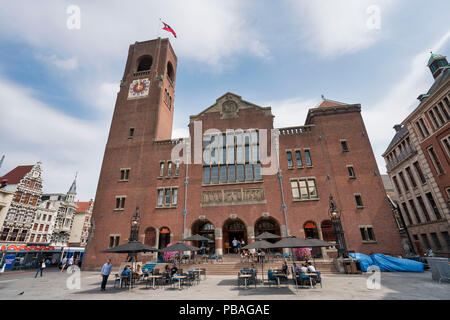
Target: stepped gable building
point(26, 184)
point(230, 190)
point(418, 163)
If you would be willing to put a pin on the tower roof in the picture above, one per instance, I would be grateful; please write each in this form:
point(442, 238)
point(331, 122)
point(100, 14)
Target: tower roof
point(435, 56)
point(329, 103)
point(73, 187)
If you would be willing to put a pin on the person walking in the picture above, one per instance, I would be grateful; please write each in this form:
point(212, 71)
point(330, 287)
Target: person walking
point(40, 264)
point(106, 270)
point(234, 243)
point(63, 263)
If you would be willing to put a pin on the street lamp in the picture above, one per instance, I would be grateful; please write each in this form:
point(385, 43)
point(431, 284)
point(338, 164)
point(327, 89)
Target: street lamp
point(135, 222)
point(335, 216)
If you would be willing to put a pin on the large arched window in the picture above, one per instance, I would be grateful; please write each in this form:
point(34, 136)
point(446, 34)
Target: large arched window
point(145, 63)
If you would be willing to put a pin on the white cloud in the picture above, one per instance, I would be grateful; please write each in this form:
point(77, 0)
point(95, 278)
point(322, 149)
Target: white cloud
point(208, 31)
point(291, 112)
point(333, 28)
point(396, 104)
point(33, 131)
point(63, 64)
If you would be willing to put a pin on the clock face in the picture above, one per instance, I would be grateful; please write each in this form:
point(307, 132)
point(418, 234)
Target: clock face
point(139, 88)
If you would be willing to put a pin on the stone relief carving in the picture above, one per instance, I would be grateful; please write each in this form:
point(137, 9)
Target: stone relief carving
point(229, 109)
point(233, 197)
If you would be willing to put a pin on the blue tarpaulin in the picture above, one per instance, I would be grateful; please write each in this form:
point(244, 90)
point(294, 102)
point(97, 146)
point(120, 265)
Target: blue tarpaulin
point(364, 260)
point(387, 263)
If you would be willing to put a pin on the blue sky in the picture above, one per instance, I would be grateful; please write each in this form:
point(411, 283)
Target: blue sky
point(58, 86)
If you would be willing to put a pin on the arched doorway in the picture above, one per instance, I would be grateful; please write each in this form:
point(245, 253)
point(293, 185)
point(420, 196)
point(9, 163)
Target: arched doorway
point(205, 229)
point(268, 224)
point(311, 231)
point(233, 229)
point(164, 237)
point(150, 236)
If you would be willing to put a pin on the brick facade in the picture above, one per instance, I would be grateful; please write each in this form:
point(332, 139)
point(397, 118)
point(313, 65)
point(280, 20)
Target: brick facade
point(229, 205)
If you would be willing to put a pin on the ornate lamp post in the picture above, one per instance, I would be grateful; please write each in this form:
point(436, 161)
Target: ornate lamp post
point(134, 233)
point(335, 216)
point(135, 222)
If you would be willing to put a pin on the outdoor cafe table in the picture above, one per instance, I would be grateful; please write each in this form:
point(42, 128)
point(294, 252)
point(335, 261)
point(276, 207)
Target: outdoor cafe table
point(179, 279)
point(278, 275)
point(310, 275)
point(246, 277)
point(154, 277)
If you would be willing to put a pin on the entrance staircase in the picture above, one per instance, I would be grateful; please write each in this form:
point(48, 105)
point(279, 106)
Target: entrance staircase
point(232, 264)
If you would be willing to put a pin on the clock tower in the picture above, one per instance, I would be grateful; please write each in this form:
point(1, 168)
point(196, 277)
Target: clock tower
point(142, 119)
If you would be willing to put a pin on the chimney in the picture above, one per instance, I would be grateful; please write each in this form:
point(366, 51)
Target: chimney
point(397, 127)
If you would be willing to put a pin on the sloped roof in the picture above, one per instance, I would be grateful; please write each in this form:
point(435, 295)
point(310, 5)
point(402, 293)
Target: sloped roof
point(398, 136)
point(82, 206)
point(330, 103)
point(17, 174)
point(440, 80)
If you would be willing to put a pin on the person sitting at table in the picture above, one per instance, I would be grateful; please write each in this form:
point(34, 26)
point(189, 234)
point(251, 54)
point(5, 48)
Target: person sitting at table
point(242, 256)
point(126, 273)
point(167, 269)
point(310, 267)
point(139, 273)
point(303, 269)
point(285, 268)
point(173, 270)
point(262, 256)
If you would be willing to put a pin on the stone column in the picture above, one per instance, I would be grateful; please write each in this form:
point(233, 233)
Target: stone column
point(250, 234)
point(218, 241)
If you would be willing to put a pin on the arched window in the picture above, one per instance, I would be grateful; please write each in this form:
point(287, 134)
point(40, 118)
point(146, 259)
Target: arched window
point(170, 71)
point(145, 63)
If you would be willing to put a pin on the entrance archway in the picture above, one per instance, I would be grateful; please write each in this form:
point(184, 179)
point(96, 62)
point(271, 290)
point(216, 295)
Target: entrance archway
point(205, 229)
point(311, 231)
point(268, 224)
point(233, 229)
point(164, 237)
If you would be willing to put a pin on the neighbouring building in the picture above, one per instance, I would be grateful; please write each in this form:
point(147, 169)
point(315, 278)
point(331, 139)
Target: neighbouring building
point(66, 209)
point(25, 183)
point(229, 190)
point(81, 224)
point(6, 198)
point(407, 245)
point(418, 164)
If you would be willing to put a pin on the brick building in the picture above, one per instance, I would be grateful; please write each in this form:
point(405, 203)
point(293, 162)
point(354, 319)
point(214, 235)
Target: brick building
point(233, 191)
point(418, 163)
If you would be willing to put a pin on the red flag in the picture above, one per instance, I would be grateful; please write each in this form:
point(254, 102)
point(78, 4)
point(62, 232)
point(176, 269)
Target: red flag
point(168, 28)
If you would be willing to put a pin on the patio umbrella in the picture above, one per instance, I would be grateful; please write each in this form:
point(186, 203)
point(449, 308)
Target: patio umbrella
point(179, 247)
point(291, 242)
point(196, 237)
point(260, 244)
point(318, 243)
point(131, 247)
point(267, 235)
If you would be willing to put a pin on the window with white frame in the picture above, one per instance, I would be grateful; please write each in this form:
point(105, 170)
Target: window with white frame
point(304, 189)
point(167, 197)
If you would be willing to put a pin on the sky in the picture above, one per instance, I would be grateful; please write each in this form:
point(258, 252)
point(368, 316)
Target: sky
point(61, 63)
